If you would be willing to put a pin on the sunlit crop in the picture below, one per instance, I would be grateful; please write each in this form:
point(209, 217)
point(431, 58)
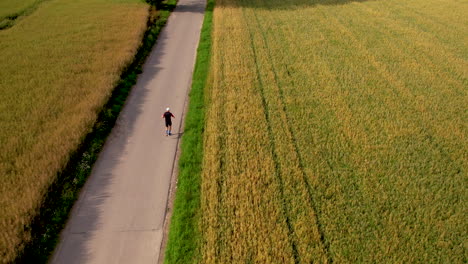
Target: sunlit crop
point(58, 66)
point(336, 132)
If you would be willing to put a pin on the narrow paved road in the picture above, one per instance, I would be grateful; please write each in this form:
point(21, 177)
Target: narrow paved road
point(119, 216)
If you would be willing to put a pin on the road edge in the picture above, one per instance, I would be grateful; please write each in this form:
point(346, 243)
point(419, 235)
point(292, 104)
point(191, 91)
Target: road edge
point(175, 169)
point(185, 196)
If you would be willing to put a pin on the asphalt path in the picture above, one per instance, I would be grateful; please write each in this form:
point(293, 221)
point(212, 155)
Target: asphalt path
point(120, 214)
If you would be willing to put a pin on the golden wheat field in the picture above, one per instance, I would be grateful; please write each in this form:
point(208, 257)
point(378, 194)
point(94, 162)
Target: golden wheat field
point(58, 66)
point(336, 132)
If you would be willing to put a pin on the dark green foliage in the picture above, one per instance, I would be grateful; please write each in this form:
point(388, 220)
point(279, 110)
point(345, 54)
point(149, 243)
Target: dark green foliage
point(11, 19)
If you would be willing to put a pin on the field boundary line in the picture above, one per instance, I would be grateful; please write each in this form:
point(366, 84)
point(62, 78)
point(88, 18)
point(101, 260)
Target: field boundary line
point(221, 190)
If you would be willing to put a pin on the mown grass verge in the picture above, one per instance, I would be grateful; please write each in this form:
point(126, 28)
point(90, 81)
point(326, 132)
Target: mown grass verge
point(184, 234)
point(46, 227)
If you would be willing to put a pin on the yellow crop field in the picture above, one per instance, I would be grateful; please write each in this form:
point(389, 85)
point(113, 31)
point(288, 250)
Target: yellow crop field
point(336, 131)
point(58, 66)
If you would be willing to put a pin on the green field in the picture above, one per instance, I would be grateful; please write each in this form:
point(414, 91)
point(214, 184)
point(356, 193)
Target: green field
point(12, 7)
point(11, 10)
point(335, 131)
point(59, 64)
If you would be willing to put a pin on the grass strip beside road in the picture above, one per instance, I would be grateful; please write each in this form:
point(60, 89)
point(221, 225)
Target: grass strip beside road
point(184, 234)
point(54, 212)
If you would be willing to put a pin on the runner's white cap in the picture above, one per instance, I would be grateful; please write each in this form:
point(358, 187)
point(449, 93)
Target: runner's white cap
point(167, 109)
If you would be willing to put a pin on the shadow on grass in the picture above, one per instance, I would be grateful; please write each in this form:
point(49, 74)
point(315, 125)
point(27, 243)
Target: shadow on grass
point(176, 135)
point(285, 4)
point(189, 8)
point(162, 6)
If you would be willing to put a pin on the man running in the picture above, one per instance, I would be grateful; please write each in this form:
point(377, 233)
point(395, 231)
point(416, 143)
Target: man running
point(167, 116)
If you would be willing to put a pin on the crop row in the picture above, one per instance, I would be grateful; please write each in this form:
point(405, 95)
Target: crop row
point(336, 131)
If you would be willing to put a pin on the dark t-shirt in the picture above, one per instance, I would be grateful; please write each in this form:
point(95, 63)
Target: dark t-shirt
point(167, 116)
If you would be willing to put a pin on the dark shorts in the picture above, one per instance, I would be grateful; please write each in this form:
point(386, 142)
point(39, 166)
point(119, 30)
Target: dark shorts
point(168, 123)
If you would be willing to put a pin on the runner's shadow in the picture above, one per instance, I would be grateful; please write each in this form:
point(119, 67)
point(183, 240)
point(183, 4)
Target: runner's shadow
point(177, 135)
